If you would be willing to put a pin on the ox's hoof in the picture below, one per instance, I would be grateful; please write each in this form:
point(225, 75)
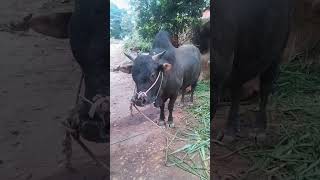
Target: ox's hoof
point(170, 124)
point(161, 123)
point(219, 135)
point(230, 134)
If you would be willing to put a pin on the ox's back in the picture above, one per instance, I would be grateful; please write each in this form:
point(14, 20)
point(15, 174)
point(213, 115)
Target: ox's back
point(185, 60)
point(252, 30)
point(189, 59)
point(249, 37)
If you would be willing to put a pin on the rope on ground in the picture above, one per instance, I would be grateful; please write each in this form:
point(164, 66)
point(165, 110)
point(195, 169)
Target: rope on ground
point(88, 151)
point(71, 120)
point(125, 139)
point(231, 153)
point(79, 88)
point(163, 130)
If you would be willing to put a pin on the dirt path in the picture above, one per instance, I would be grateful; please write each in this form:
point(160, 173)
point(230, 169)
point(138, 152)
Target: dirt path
point(141, 157)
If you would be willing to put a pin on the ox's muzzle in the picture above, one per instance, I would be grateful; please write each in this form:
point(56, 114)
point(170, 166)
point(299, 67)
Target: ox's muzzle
point(139, 99)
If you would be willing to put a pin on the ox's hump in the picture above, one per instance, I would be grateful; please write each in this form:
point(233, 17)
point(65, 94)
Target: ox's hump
point(162, 41)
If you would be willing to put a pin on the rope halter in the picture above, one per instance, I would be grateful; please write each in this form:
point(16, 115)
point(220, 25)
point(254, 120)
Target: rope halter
point(144, 93)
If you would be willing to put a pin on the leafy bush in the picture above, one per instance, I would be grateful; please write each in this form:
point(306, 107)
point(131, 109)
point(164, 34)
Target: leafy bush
point(135, 41)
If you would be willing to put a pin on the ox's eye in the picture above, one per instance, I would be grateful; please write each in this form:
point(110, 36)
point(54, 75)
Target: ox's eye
point(153, 75)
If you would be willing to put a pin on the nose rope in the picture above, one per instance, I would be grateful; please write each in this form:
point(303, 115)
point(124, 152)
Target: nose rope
point(144, 93)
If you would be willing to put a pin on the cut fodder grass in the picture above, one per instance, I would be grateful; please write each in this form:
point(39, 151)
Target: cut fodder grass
point(193, 155)
point(296, 156)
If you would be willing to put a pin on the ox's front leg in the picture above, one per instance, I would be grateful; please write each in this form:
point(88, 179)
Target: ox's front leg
point(170, 108)
point(162, 115)
point(161, 121)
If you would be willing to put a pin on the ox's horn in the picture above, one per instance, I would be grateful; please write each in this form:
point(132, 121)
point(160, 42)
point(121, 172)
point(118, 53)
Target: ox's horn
point(130, 57)
point(158, 56)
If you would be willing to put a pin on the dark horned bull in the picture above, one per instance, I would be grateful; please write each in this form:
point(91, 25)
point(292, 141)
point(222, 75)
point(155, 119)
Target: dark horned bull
point(163, 73)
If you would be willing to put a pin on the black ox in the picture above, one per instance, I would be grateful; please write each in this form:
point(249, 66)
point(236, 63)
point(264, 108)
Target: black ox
point(163, 73)
point(248, 39)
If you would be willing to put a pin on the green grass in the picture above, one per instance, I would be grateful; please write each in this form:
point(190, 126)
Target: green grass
point(296, 156)
point(194, 155)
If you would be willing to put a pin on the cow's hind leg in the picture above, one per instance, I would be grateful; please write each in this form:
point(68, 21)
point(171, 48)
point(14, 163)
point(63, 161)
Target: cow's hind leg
point(233, 123)
point(193, 88)
point(170, 108)
point(183, 91)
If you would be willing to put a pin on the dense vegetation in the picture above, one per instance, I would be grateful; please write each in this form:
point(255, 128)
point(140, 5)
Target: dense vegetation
point(150, 16)
point(296, 153)
point(120, 22)
point(193, 153)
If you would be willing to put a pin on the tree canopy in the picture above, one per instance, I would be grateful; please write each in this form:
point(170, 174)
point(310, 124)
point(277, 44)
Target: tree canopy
point(171, 15)
point(120, 22)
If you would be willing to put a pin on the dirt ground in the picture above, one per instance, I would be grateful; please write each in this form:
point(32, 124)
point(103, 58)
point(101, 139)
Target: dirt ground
point(38, 80)
point(227, 162)
point(143, 155)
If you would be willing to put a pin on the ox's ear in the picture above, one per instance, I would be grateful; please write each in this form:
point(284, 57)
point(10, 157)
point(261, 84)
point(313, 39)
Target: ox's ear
point(158, 56)
point(125, 67)
point(54, 25)
point(166, 67)
point(128, 56)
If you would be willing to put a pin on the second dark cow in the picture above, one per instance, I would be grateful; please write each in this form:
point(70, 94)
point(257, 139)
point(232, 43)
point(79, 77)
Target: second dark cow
point(163, 73)
point(248, 40)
